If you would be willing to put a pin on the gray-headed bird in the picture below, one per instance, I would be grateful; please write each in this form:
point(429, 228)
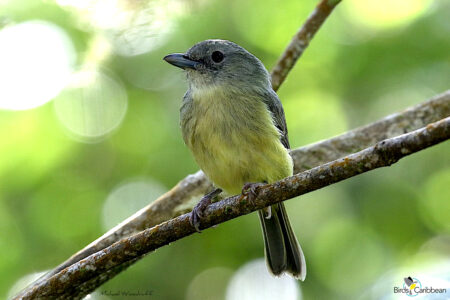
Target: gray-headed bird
point(234, 125)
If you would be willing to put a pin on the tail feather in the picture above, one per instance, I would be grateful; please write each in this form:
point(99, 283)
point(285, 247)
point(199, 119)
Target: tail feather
point(275, 250)
point(283, 252)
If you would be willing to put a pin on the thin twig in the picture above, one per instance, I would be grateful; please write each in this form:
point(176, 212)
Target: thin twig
point(190, 189)
point(300, 41)
point(67, 283)
point(183, 196)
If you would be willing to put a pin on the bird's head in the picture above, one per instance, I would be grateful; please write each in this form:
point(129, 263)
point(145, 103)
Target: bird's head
point(221, 63)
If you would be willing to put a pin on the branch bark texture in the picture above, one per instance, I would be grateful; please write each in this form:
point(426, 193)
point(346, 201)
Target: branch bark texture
point(67, 283)
point(182, 197)
point(187, 192)
point(410, 119)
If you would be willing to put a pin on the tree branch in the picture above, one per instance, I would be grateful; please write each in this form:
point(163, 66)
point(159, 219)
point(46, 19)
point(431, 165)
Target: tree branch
point(352, 141)
point(67, 283)
point(300, 41)
point(188, 191)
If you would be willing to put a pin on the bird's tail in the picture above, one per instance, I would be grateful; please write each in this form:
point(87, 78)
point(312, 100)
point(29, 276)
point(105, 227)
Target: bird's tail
point(283, 252)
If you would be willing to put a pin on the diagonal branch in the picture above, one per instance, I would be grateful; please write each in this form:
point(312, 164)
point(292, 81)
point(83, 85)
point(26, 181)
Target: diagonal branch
point(410, 119)
point(188, 191)
point(300, 41)
point(67, 283)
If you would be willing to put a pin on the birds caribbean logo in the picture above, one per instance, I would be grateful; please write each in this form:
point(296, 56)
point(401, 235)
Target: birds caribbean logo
point(411, 284)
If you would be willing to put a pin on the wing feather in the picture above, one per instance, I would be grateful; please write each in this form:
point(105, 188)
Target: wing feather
point(276, 108)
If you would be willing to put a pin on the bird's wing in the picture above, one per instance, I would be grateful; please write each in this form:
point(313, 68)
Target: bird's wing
point(276, 108)
point(187, 120)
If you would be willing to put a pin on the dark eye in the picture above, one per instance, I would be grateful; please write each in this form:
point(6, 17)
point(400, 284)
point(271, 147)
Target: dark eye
point(217, 56)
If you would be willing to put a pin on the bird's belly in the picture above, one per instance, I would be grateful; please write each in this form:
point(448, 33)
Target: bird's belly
point(230, 158)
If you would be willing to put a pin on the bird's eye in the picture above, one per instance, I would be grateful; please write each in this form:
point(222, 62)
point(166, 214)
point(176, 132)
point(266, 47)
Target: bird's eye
point(217, 56)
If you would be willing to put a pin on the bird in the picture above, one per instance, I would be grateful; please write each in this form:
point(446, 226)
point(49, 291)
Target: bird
point(234, 124)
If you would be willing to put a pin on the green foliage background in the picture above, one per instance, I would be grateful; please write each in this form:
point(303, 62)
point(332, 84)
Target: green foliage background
point(53, 186)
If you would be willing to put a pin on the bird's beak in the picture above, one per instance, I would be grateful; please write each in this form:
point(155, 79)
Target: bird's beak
point(181, 60)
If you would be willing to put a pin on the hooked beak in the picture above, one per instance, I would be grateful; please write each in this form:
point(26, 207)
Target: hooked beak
point(181, 60)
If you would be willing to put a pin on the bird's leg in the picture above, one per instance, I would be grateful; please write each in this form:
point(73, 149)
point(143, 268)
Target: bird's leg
point(197, 212)
point(250, 189)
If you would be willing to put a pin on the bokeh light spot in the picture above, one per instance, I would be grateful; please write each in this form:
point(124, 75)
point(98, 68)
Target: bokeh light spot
point(132, 28)
point(128, 198)
point(92, 105)
point(253, 281)
point(382, 14)
point(36, 60)
point(344, 247)
point(209, 285)
point(148, 29)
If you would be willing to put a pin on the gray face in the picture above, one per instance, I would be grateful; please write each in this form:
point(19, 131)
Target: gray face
point(219, 62)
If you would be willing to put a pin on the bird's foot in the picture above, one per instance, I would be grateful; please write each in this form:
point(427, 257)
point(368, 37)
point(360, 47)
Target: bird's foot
point(197, 212)
point(251, 190)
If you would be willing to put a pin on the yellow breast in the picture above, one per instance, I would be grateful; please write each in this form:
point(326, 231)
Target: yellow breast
point(234, 140)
